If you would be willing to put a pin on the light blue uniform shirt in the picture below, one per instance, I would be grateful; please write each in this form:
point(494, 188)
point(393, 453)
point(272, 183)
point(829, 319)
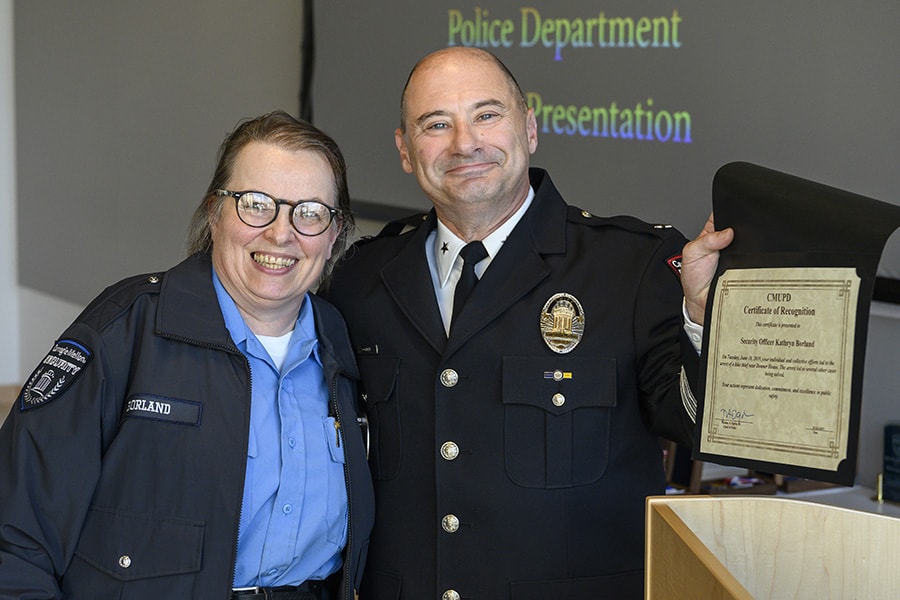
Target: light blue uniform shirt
point(294, 513)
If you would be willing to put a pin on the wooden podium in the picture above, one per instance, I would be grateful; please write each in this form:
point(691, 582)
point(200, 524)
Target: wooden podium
point(758, 547)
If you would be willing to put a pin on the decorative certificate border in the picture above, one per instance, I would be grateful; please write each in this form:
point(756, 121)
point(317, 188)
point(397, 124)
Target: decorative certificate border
point(780, 365)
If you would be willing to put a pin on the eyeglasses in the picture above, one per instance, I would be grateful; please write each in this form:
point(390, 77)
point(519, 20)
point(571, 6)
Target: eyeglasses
point(309, 217)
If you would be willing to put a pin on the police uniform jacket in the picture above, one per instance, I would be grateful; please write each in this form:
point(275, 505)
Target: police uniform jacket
point(122, 477)
point(505, 469)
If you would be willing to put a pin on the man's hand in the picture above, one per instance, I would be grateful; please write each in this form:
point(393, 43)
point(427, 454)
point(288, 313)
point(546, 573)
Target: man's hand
point(698, 265)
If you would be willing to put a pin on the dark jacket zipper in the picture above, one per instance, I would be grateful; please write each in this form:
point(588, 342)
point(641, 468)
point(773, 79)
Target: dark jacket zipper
point(246, 363)
point(348, 550)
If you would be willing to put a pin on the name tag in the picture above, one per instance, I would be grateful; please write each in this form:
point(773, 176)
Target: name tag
point(160, 408)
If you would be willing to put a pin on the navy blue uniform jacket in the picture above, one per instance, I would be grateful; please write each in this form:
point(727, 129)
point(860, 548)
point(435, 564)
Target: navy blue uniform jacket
point(126, 482)
point(494, 478)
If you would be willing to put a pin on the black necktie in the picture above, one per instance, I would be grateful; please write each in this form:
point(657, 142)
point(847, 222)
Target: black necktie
point(471, 253)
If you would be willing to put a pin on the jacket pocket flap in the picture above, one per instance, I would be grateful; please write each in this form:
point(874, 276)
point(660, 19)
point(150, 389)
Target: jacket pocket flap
point(379, 376)
point(559, 384)
point(130, 546)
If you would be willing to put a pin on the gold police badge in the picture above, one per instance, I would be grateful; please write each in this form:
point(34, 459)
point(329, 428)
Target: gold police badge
point(562, 323)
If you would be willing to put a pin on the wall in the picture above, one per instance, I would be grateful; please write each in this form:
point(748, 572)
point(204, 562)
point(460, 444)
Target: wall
point(121, 107)
point(116, 134)
point(9, 302)
point(881, 390)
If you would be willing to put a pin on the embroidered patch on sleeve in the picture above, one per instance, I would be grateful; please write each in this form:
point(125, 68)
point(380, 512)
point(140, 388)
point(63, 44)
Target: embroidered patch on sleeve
point(60, 368)
point(674, 263)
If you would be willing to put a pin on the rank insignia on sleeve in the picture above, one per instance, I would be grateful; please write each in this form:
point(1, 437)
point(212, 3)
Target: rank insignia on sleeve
point(62, 366)
point(562, 323)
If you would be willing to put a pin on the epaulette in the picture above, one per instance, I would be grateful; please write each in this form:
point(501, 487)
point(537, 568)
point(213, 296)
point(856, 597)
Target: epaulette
point(119, 296)
point(394, 228)
point(131, 287)
point(626, 222)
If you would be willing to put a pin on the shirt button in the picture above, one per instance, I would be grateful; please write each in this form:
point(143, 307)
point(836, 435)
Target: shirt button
point(450, 523)
point(292, 442)
point(450, 595)
point(124, 561)
point(449, 378)
point(287, 509)
point(558, 399)
point(449, 450)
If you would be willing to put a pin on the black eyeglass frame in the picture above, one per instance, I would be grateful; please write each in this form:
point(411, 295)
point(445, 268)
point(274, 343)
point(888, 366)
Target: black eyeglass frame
point(332, 212)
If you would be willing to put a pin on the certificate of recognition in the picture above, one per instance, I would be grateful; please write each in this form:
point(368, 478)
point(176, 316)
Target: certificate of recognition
point(780, 365)
point(785, 327)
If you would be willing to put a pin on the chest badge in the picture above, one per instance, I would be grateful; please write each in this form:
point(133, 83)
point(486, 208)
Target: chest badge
point(562, 323)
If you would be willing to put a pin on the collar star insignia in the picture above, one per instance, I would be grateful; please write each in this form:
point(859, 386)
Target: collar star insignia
point(445, 248)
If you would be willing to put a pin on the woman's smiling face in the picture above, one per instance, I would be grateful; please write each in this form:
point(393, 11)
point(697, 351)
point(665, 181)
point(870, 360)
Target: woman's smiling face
point(268, 270)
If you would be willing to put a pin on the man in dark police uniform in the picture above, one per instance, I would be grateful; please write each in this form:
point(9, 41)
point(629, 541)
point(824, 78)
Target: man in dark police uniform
point(513, 444)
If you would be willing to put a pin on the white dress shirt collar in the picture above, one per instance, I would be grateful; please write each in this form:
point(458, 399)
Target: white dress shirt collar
point(446, 245)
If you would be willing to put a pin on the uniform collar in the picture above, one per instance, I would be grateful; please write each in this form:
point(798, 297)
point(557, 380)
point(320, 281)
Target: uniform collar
point(447, 245)
point(303, 341)
point(189, 311)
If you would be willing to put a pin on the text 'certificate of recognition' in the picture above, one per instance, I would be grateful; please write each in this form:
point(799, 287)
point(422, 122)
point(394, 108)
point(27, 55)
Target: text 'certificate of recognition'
point(779, 373)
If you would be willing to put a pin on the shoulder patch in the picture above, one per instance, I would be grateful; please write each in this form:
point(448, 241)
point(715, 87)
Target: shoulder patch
point(674, 263)
point(59, 369)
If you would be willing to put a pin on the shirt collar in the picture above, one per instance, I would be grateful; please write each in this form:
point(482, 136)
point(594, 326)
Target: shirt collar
point(447, 245)
point(304, 335)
